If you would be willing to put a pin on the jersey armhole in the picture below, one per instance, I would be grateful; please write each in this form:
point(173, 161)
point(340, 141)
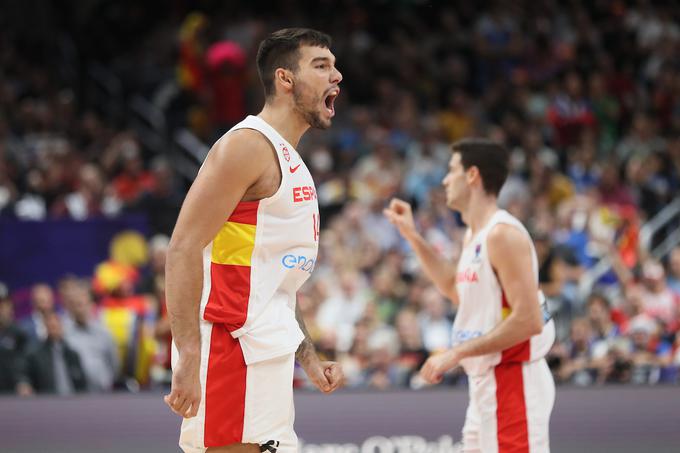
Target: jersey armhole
point(272, 147)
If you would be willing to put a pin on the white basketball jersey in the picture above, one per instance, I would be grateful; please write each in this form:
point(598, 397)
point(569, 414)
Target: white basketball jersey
point(260, 257)
point(482, 303)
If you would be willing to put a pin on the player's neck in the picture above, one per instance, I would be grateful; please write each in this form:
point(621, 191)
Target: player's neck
point(479, 211)
point(279, 116)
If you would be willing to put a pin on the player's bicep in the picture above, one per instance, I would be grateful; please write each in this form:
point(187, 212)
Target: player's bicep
point(233, 165)
point(511, 254)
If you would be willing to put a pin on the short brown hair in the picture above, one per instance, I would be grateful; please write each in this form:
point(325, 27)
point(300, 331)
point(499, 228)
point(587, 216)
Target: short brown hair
point(281, 49)
point(491, 159)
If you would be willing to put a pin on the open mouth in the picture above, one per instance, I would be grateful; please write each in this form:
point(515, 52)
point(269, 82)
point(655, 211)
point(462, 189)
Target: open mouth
point(330, 101)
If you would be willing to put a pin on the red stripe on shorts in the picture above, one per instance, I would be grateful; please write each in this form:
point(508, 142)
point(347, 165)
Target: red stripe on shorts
point(511, 414)
point(225, 392)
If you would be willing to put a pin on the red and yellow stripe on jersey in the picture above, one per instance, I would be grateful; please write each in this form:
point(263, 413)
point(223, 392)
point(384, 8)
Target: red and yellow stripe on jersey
point(230, 266)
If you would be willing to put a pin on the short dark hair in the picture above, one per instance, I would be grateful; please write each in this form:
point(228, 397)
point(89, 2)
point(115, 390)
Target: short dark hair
point(491, 159)
point(281, 49)
point(596, 297)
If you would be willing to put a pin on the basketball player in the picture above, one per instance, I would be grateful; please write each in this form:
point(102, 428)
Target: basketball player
point(245, 241)
point(500, 333)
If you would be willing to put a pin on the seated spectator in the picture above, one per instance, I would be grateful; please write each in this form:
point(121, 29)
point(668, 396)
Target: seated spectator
point(343, 308)
point(599, 314)
point(641, 141)
point(673, 272)
point(129, 317)
point(570, 112)
point(13, 342)
point(645, 350)
point(51, 366)
point(434, 324)
point(67, 288)
point(42, 301)
point(90, 199)
point(660, 302)
point(134, 179)
point(162, 200)
point(90, 339)
point(574, 364)
point(381, 372)
point(412, 353)
point(609, 349)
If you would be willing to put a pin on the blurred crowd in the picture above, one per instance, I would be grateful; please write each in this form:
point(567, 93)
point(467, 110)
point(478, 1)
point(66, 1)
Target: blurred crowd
point(586, 97)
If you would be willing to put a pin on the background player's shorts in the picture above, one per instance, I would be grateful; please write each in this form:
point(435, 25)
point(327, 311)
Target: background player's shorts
point(510, 409)
point(240, 403)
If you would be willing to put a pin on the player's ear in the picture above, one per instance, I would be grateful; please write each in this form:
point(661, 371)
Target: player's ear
point(472, 173)
point(284, 77)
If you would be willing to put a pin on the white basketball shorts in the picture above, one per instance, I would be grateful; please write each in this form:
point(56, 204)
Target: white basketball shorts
point(240, 403)
point(509, 409)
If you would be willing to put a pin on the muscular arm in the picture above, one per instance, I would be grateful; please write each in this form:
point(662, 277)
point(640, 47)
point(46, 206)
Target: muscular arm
point(234, 164)
point(440, 271)
point(510, 255)
point(306, 352)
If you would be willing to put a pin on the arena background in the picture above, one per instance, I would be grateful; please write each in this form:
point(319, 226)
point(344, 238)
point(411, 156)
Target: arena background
point(107, 109)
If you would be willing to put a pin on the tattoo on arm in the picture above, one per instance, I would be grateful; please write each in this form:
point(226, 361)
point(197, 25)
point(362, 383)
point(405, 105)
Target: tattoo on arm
point(306, 350)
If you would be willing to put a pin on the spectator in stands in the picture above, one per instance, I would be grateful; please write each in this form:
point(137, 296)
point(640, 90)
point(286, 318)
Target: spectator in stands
point(575, 366)
point(673, 272)
point(51, 366)
point(90, 199)
point(162, 200)
point(412, 353)
point(433, 321)
point(660, 303)
point(644, 351)
point(67, 288)
point(133, 179)
point(343, 308)
point(85, 335)
point(641, 141)
point(42, 301)
point(13, 343)
point(570, 112)
point(593, 131)
point(382, 372)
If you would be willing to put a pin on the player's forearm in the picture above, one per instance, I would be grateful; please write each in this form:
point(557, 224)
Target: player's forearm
point(184, 282)
point(511, 331)
point(441, 272)
point(306, 352)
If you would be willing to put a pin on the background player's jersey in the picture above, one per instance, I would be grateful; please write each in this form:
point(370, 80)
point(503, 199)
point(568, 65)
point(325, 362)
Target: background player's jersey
point(260, 257)
point(483, 304)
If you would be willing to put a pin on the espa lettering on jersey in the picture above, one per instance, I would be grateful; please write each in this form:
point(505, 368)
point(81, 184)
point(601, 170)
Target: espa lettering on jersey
point(299, 262)
point(467, 276)
point(304, 193)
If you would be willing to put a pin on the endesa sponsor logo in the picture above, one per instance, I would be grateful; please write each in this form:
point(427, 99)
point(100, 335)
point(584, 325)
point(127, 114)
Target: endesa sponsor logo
point(467, 276)
point(304, 193)
point(460, 336)
point(300, 262)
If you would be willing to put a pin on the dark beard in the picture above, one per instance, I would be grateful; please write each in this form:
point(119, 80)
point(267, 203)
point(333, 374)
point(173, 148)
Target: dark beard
point(312, 117)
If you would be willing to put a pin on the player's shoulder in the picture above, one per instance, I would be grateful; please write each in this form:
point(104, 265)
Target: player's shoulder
point(243, 141)
point(241, 153)
point(507, 238)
